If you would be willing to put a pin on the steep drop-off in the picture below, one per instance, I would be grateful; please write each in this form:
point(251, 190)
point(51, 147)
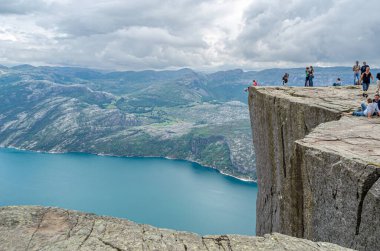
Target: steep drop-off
point(318, 171)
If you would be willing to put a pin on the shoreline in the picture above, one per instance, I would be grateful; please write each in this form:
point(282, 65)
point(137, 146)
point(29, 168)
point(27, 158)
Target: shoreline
point(126, 156)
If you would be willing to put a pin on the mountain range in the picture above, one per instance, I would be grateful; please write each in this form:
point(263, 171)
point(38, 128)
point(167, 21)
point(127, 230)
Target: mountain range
point(182, 114)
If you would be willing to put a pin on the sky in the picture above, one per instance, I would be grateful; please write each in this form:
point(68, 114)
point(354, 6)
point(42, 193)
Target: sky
point(202, 35)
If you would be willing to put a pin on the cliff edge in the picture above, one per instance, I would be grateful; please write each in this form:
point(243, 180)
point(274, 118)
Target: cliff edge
point(42, 228)
point(318, 170)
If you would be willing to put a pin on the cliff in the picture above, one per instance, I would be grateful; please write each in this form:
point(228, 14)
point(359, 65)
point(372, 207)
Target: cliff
point(40, 228)
point(318, 169)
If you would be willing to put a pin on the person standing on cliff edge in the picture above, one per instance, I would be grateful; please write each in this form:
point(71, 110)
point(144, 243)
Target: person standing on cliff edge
point(285, 79)
point(356, 70)
point(307, 76)
point(311, 75)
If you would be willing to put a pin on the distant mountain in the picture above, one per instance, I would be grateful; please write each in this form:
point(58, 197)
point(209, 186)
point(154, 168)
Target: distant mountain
point(172, 114)
point(178, 114)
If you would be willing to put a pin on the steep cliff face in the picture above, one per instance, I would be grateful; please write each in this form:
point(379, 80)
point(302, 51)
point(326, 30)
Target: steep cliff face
point(318, 172)
point(41, 228)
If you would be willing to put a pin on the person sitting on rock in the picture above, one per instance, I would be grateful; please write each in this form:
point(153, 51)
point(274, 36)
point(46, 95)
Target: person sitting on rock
point(254, 83)
point(367, 110)
point(376, 100)
point(338, 82)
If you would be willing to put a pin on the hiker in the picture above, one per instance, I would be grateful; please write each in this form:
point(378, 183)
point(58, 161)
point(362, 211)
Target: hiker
point(307, 77)
point(285, 79)
point(311, 75)
point(366, 80)
point(254, 83)
point(356, 70)
point(363, 68)
point(368, 110)
point(378, 83)
point(338, 82)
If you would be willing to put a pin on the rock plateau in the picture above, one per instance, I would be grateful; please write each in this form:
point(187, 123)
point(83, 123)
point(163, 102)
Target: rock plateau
point(41, 228)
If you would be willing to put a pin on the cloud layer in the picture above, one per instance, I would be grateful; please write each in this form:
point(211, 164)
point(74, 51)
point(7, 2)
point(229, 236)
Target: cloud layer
point(214, 34)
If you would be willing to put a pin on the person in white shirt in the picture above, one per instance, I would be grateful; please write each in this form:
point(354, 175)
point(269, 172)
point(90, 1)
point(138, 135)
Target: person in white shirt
point(368, 110)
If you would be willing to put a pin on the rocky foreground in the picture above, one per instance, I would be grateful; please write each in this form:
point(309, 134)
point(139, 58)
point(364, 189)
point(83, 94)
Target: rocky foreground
point(318, 167)
point(42, 228)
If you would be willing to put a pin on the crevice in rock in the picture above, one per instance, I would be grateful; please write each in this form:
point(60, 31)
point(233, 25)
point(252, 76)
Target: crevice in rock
point(334, 193)
point(298, 177)
point(110, 245)
point(184, 246)
point(219, 241)
point(38, 227)
point(367, 185)
point(283, 151)
point(204, 243)
point(88, 235)
point(72, 226)
point(143, 237)
point(306, 128)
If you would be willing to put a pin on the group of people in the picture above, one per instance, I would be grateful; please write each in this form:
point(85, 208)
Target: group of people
point(309, 77)
point(363, 76)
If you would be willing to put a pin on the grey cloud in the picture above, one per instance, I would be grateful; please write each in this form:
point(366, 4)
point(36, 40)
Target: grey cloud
point(21, 7)
point(329, 32)
point(155, 34)
point(100, 17)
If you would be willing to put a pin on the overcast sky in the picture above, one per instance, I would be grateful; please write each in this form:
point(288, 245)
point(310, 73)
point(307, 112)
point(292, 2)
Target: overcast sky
point(203, 35)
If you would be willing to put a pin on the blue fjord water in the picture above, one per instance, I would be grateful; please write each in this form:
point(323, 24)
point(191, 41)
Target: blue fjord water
point(164, 193)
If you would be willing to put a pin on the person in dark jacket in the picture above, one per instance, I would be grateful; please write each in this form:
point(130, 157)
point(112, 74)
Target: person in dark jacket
point(311, 75)
point(285, 79)
point(363, 68)
point(307, 76)
point(366, 80)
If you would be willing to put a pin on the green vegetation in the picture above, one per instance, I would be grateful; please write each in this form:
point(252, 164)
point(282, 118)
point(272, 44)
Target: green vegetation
point(170, 114)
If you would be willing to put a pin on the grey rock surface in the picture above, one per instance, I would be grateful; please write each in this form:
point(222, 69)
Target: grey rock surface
point(42, 228)
point(318, 169)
